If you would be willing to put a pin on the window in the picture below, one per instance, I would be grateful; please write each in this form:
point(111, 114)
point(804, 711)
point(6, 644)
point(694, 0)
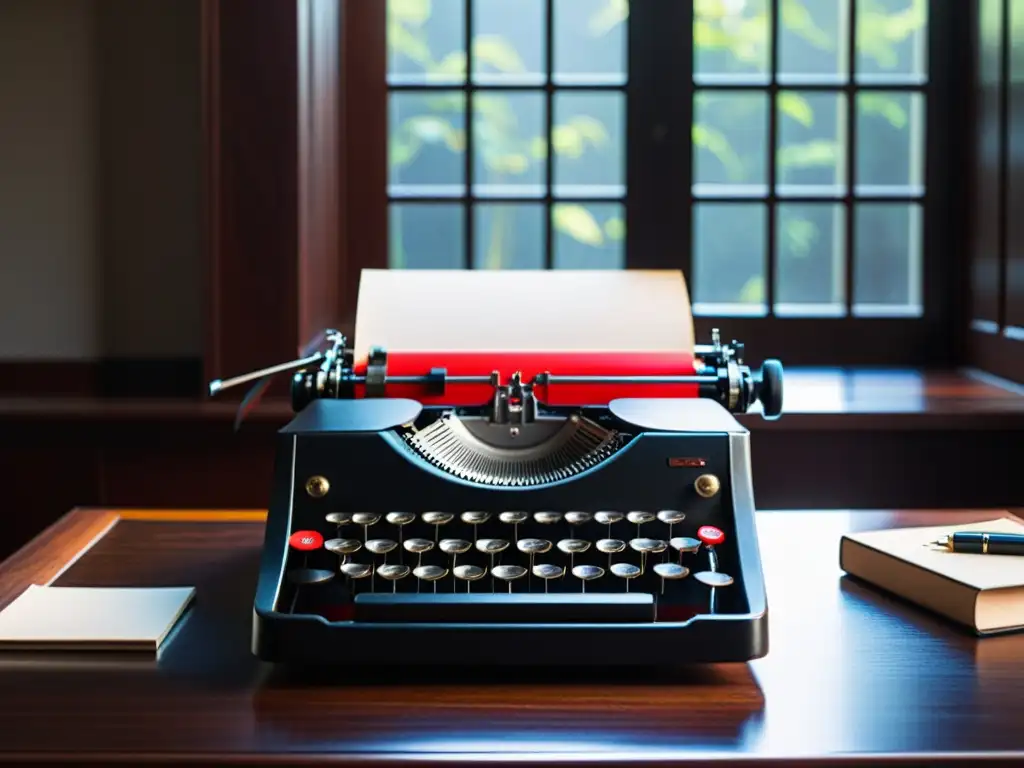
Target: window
point(471, 180)
point(775, 150)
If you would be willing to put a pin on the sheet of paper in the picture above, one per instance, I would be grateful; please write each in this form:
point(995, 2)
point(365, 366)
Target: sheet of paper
point(509, 310)
point(92, 617)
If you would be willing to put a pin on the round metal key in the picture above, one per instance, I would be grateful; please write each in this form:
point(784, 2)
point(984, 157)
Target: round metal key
point(418, 546)
point(533, 546)
point(608, 518)
point(357, 570)
point(513, 518)
point(587, 573)
point(573, 546)
point(339, 518)
point(626, 571)
point(713, 578)
point(305, 576)
point(685, 544)
point(393, 573)
point(648, 546)
point(577, 518)
point(610, 546)
point(508, 573)
point(492, 546)
point(671, 570)
point(475, 518)
point(430, 574)
point(343, 546)
point(454, 546)
point(547, 518)
point(548, 571)
point(365, 518)
point(437, 518)
point(639, 518)
point(381, 546)
point(468, 573)
point(400, 518)
point(671, 516)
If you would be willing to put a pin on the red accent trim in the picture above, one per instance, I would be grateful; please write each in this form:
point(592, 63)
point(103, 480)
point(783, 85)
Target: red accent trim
point(710, 535)
point(529, 365)
point(306, 541)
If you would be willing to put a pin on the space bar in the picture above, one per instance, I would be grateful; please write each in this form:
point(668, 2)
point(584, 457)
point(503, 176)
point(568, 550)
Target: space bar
point(500, 608)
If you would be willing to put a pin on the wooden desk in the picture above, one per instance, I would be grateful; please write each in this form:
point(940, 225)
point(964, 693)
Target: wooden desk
point(850, 673)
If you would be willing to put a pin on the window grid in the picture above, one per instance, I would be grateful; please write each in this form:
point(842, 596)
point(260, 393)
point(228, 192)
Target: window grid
point(849, 87)
point(469, 200)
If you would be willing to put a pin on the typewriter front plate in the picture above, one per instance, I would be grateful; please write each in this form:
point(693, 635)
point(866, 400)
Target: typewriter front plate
point(630, 539)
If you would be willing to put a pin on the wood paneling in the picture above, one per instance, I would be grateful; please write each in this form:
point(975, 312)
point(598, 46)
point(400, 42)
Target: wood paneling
point(271, 85)
point(996, 254)
point(852, 677)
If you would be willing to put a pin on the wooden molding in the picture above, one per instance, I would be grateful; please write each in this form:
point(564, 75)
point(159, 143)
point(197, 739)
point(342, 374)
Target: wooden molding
point(271, 97)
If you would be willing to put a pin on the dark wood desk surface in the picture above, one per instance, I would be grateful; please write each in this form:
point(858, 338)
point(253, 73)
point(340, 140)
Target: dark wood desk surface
point(851, 675)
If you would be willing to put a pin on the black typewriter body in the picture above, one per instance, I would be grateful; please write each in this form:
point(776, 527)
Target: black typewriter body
point(354, 457)
point(512, 532)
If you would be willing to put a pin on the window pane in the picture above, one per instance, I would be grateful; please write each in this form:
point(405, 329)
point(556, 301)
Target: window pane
point(590, 41)
point(508, 42)
point(589, 235)
point(890, 142)
point(730, 143)
point(427, 144)
point(811, 270)
point(509, 236)
point(887, 263)
point(426, 41)
point(892, 40)
point(812, 143)
point(731, 41)
point(589, 140)
point(508, 144)
point(813, 41)
point(426, 236)
point(729, 258)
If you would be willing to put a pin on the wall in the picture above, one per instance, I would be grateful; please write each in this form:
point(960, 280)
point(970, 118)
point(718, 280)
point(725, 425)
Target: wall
point(100, 152)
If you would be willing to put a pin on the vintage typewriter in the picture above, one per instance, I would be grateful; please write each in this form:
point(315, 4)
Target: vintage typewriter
point(514, 507)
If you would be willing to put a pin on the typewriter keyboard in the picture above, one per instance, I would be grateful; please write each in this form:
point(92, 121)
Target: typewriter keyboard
point(580, 562)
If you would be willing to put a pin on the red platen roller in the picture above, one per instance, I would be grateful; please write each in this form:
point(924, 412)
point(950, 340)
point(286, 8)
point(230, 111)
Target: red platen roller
point(529, 365)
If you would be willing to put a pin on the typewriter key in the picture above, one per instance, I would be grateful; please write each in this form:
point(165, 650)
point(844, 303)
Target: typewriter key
point(670, 571)
point(608, 518)
point(587, 573)
point(514, 519)
point(430, 573)
point(626, 571)
point(492, 547)
point(454, 546)
point(468, 573)
point(684, 544)
point(437, 519)
point(647, 547)
point(509, 573)
point(393, 573)
point(547, 518)
point(339, 519)
point(355, 571)
point(572, 546)
point(577, 518)
point(418, 547)
point(639, 518)
point(343, 547)
point(400, 519)
point(547, 571)
point(610, 547)
point(475, 519)
point(381, 547)
point(713, 578)
point(671, 516)
point(533, 547)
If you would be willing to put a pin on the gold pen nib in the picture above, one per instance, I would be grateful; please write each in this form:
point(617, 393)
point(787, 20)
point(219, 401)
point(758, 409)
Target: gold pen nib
point(946, 542)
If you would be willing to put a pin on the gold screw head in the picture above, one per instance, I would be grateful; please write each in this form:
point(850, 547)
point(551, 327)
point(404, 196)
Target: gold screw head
point(317, 486)
point(707, 486)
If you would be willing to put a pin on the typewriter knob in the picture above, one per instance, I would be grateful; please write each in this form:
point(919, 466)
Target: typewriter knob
point(317, 486)
point(770, 389)
point(707, 486)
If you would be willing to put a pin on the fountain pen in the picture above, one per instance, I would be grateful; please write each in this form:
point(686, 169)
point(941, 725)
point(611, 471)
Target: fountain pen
point(978, 543)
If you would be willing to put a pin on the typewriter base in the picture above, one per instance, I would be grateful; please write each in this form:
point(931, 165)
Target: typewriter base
point(703, 640)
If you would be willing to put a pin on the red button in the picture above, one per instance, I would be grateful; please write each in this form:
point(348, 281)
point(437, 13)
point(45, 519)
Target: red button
point(710, 535)
point(306, 541)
